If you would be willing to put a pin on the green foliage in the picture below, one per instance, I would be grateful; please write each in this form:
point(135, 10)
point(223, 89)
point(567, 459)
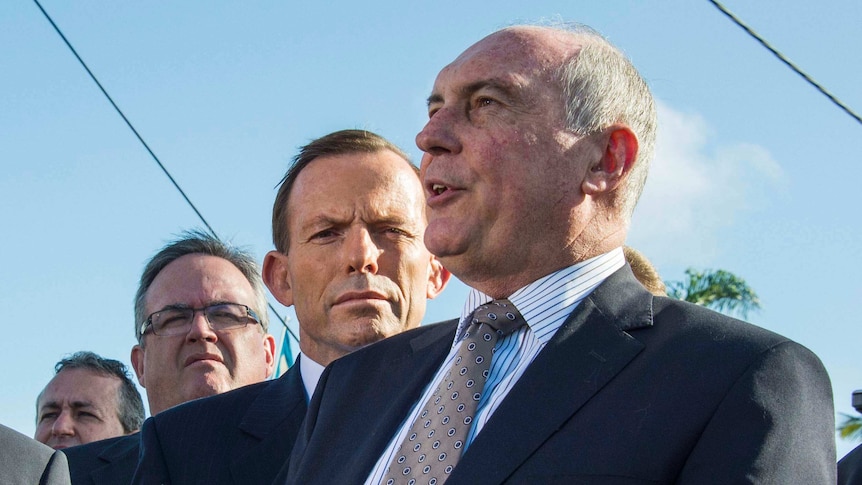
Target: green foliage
point(851, 428)
point(717, 289)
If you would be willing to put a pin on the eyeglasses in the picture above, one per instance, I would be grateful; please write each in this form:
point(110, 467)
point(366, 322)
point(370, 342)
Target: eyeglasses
point(178, 321)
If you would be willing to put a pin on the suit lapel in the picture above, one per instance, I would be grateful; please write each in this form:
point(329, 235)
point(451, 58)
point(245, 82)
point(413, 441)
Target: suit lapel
point(271, 424)
point(585, 354)
point(401, 380)
point(119, 461)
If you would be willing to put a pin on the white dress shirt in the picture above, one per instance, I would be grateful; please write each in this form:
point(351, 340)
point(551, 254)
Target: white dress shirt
point(310, 372)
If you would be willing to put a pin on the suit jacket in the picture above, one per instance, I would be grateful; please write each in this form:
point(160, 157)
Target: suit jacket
point(632, 389)
point(24, 460)
point(106, 462)
point(239, 437)
point(850, 468)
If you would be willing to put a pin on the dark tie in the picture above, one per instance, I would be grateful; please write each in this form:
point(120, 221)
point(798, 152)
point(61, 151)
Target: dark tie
point(436, 440)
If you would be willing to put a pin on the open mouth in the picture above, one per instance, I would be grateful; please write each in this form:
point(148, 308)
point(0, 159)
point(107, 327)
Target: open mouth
point(439, 189)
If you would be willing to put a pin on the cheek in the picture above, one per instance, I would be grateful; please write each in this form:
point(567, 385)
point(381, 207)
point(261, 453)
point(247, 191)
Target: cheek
point(242, 350)
point(308, 281)
point(160, 359)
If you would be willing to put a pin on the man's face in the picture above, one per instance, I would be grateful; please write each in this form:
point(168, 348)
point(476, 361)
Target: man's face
point(356, 268)
point(78, 406)
point(202, 362)
point(501, 171)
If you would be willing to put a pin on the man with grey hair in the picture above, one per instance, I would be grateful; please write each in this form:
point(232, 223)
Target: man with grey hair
point(562, 367)
point(201, 323)
point(90, 398)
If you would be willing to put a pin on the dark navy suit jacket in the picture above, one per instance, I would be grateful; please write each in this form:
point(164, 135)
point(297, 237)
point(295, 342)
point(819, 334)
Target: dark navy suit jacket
point(239, 437)
point(632, 389)
point(106, 462)
point(850, 468)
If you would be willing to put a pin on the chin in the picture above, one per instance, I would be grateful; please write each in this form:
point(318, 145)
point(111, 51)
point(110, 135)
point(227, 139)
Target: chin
point(208, 386)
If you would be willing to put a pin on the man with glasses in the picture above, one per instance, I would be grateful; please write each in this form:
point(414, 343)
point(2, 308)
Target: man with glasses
point(201, 325)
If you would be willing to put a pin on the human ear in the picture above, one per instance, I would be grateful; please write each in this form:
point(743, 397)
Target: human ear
point(275, 276)
point(619, 147)
point(137, 359)
point(438, 278)
point(269, 353)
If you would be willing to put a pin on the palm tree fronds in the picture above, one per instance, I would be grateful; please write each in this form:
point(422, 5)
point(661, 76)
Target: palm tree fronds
point(851, 428)
point(717, 289)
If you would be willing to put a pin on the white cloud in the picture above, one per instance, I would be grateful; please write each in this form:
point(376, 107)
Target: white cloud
point(696, 189)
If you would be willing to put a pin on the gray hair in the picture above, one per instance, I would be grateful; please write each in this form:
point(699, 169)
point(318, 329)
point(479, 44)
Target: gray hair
point(130, 406)
point(602, 87)
point(199, 242)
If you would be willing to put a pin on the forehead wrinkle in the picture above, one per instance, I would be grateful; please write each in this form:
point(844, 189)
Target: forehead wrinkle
point(50, 404)
point(80, 404)
point(511, 84)
point(337, 217)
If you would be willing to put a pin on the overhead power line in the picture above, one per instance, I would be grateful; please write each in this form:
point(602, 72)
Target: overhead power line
point(785, 60)
point(144, 143)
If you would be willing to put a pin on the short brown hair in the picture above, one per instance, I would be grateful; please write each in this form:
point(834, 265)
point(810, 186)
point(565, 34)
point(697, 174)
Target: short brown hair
point(337, 143)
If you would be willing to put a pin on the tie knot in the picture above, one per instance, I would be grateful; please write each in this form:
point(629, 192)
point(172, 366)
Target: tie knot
point(501, 315)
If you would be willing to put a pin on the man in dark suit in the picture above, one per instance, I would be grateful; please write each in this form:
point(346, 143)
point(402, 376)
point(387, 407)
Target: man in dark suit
point(347, 225)
point(201, 324)
point(26, 461)
point(536, 151)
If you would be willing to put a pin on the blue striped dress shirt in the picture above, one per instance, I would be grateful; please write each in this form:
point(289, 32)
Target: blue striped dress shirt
point(545, 305)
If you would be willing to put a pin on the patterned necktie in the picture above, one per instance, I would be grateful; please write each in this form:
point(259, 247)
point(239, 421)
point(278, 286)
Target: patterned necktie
point(436, 440)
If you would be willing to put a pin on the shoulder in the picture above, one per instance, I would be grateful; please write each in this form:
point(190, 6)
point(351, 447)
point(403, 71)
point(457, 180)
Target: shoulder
point(25, 460)
point(688, 321)
point(674, 325)
point(119, 455)
point(90, 455)
point(16, 445)
point(223, 405)
point(402, 345)
point(14, 441)
point(850, 468)
point(391, 360)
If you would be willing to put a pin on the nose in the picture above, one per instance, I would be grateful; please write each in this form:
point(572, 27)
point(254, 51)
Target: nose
point(439, 137)
point(64, 425)
point(361, 252)
point(200, 329)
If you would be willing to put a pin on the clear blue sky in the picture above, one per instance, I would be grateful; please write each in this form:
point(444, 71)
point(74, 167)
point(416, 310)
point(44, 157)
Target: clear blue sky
point(756, 172)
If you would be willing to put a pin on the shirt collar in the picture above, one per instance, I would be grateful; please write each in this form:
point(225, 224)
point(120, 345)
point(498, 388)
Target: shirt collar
point(310, 371)
point(547, 302)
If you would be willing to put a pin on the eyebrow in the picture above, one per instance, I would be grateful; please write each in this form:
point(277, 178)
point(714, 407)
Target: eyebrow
point(174, 306)
point(49, 405)
point(493, 83)
point(186, 306)
point(326, 220)
point(74, 405)
point(82, 404)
